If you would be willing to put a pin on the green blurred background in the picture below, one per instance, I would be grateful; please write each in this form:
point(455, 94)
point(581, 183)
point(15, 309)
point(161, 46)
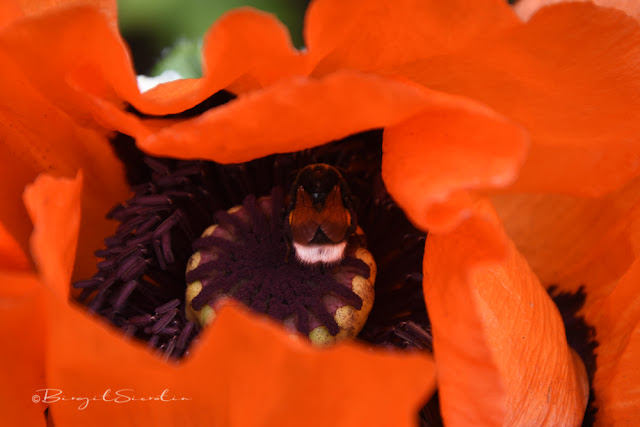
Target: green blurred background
point(172, 30)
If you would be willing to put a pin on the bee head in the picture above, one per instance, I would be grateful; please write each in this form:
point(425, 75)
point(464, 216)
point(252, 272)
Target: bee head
point(320, 217)
point(318, 181)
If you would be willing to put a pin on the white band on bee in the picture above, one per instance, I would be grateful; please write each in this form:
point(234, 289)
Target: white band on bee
point(325, 254)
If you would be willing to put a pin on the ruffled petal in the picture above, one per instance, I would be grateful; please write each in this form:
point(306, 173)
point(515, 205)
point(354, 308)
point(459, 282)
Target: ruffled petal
point(527, 8)
point(287, 116)
point(38, 137)
point(572, 241)
point(54, 207)
point(97, 64)
point(245, 370)
point(374, 35)
point(22, 357)
point(252, 46)
point(58, 47)
point(616, 318)
point(245, 49)
point(452, 146)
point(569, 76)
point(499, 341)
point(612, 307)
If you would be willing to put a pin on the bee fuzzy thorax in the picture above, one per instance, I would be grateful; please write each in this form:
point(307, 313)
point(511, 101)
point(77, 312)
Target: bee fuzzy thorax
point(320, 217)
point(320, 253)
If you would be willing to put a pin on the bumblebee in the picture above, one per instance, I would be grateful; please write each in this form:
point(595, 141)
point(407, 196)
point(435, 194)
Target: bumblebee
point(320, 216)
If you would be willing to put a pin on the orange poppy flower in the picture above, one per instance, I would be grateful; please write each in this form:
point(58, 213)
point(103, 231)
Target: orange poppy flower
point(462, 89)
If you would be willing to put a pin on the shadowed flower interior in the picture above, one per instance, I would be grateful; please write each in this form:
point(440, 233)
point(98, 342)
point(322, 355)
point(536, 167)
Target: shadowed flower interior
point(581, 336)
point(140, 283)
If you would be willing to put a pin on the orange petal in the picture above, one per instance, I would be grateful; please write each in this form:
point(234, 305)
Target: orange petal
point(33, 7)
point(378, 34)
point(54, 207)
point(96, 61)
point(10, 11)
point(453, 145)
point(581, 112)
point(12, 257)
point(245, 49)
point(247, 41)
point(53, 48)
point(244, 371)
point(38, 137)
point(616, 318)
point(574, 241)
point(526, 8)
point(290, 115)
point(22, 328)
point(499, 341)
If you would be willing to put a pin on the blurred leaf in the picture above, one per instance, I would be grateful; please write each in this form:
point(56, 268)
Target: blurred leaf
point(184, 57)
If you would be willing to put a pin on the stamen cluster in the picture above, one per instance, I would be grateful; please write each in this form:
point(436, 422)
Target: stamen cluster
point(139, 285)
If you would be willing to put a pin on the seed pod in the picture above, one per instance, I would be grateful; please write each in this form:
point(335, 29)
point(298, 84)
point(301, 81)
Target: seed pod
point(245, 256)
